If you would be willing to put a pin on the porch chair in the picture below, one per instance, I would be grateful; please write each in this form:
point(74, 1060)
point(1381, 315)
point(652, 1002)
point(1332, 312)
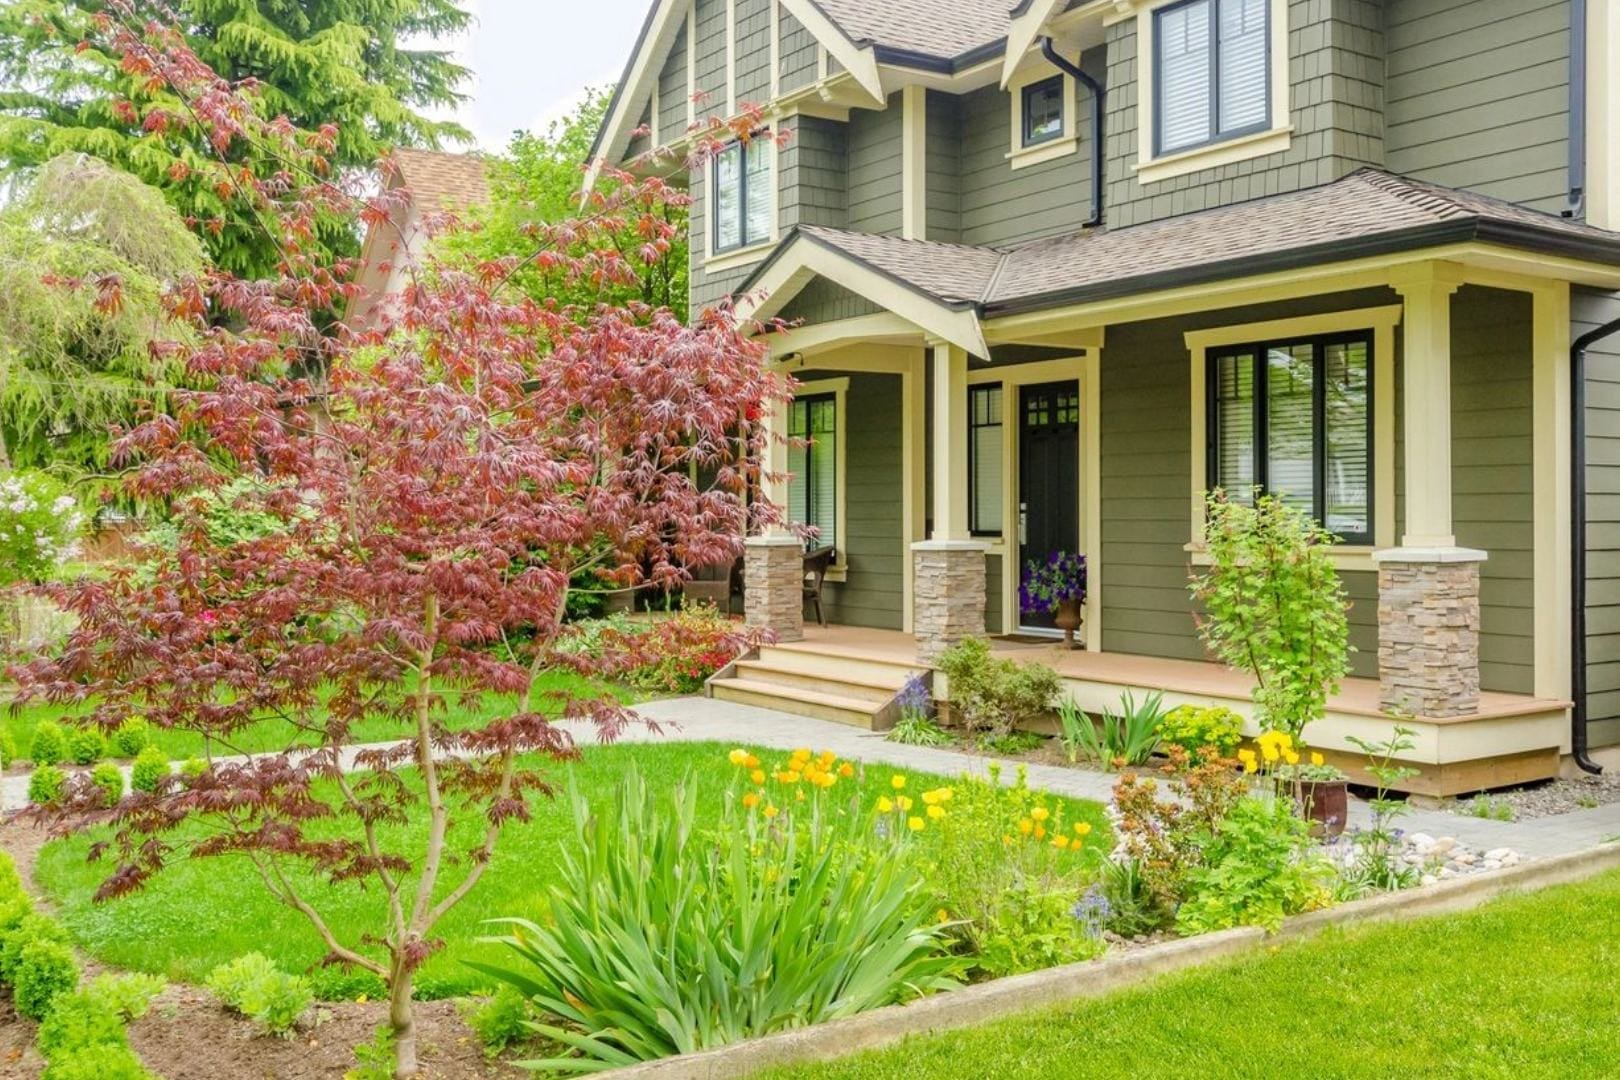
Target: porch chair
point(816, 562)
point(715, 584)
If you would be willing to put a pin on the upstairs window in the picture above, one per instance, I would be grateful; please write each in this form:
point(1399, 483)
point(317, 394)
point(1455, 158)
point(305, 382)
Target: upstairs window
point(1043, 111)
point(742, 195)
point(1212, 72)
point(813, 462)
point(1295, 419)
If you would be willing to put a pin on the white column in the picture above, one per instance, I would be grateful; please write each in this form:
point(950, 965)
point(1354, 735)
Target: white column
point(950, 443)
point(775, 483)
point(1551, 456)
point(1427, 399)
point(913, 467)
point(948, 569)
point(1603, 115)
point(913, 163)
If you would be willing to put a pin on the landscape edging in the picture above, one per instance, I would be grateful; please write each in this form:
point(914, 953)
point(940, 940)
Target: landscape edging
point(1004, 997)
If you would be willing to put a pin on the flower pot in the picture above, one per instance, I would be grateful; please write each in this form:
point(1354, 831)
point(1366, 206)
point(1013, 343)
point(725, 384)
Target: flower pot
point(1067, 619)
point(1325, 803)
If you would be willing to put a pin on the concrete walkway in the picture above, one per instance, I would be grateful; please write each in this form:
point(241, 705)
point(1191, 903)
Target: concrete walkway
point(701, 719)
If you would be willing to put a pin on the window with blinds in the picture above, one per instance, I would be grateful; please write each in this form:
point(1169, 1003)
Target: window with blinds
point(1294, 419)
point(1211, 72)
point(742, 195)
point(813, 462)
point(985, 493)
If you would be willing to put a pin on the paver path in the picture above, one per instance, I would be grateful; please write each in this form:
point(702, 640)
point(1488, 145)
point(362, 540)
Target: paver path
point(695, 718)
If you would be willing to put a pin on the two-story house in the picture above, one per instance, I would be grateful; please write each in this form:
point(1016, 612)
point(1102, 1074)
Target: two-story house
point(1056, 268)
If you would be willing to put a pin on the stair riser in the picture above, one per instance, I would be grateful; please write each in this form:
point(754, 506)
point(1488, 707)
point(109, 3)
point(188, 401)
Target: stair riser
point(794, 680)
point(789, 705)
point(837, 668)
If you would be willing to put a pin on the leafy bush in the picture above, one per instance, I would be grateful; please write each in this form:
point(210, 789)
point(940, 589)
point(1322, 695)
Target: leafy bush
point(1127, 737)
point(8, 749)
point(127, 993)
point(45, 970)
point(46, 785)
point(103, 1062)
point(86, 746)
point(191, 768)
point(1255, 870)
point(993, 694)
point(132, 736)
point(1013, 743)
point(78, 1020)
point(1127, 906)
point(501, 1019)
point(256, 988)
point(109, 778)
point(40, 522)
point(149, 770)
point(49, 745)
point(671, 654)
point(30, 928)
point(374, 1060)
point(785, 916)
point(1193, 728)
point(1167, 837)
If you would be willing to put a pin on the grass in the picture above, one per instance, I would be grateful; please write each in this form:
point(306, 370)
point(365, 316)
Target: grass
point(271, 735)
point(1523, 987)
point(198, 914)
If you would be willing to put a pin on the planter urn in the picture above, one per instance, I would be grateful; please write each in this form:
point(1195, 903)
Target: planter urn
point(1067, 618)
point(1325, 803)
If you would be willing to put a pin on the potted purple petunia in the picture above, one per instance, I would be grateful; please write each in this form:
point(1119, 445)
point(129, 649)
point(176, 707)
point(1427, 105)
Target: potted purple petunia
point(1057, 587)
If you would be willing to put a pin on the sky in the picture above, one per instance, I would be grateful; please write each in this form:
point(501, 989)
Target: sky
point(532, 58)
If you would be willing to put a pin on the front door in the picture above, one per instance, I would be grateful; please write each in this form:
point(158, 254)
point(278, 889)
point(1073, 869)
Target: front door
point(1048, 478)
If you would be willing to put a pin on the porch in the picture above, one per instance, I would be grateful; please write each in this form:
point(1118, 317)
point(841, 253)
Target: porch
point(844, 672)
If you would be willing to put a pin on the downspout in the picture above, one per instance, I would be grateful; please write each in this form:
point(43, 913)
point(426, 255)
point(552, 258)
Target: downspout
point(1577, 109)
point(1580, 750)
point(1098, 105)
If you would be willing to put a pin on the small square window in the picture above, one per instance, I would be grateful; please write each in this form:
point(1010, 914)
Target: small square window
point(1043, 111)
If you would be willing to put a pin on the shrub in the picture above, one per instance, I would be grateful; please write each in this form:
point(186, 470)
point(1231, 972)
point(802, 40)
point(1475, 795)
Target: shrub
point(1123, 903)
point(109, 778)
point(127, 993)
point(132, 736)
point(46, 785)
point(104, 1062)
point(1192, 728)
point(10, 880)
point(672, 654)
point(1255, 870)
point(500, 1020)
point(191, 768)
point(30, 928)
point(1117, 740)
point(49, 745)
point(78, 1020)
point(86, 746)
point(793, 915)
point(1167, 837)
point(40, 522)
point(149, 770)
point(992, 694)
point(256, 988)
point(45, 970)
point(8, 749)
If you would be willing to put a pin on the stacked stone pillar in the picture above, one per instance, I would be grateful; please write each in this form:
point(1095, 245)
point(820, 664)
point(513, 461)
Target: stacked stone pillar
point(950, 594)
point(1428, 630)
point(773, 585)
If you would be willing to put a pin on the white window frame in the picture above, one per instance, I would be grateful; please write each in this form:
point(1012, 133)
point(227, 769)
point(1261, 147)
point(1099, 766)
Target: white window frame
point(839, 389)
point(1381, 323)
point(1151, 168)
point(715, 261)
point(1020, 156)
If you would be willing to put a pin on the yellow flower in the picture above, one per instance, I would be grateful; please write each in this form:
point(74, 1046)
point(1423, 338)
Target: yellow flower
point(885, 805)
point(362, 999)
point(1082, 828)
point(751, 762)
point(930, 797)
point(788, 776)
point(846, 770)
point(945, 793)
point(1250, 765)
point(942, 915)
point(802, 754)
point(757, 776)
point(1269, 749)
point(1291, 757)
point(1040, 832)
point(738, 756)
point(1006, 841)
point(1040, 813)
point(799, 796)
point(1026, 826)
point(828, 758)
point(903, 802)
point(915, 824)
point(1317, 758)
point(897, 781)
point(750, 800)
point(1245, 755)
point(1060, 842)
point(936, 812)
point(771, 811)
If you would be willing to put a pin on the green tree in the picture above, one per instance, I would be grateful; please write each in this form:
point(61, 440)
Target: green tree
point(316, 62)
point(537, 183)
point(86, 252)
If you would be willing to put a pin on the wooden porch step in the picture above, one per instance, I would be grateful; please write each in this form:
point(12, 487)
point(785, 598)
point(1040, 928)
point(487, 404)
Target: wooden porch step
point(801, 701)
point(829, 664)
point(854, 686)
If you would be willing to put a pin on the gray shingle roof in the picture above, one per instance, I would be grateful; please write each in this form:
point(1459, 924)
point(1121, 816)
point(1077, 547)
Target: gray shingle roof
point(939, 28)
point(1367, 212)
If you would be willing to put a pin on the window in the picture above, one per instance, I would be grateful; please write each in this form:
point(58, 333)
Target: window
point(742, 195)
point(1212, 72)
point(813, 461)
point(1043, 111)
point(1294, 418)
point(984, 460)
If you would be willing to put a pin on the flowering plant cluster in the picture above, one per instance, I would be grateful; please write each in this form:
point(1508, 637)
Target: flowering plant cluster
point(672, 654)
point(1062, 577)
point(40, 525)
point(1192, 728)
point(1279, 759)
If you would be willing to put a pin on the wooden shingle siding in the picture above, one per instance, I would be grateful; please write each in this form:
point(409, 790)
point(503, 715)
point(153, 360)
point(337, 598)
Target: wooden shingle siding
point(1589, 310)
point(824, 301)
point(711, 57)
point(672, 100)
point(640, 144)
point(798, 54)
point(814, 167)
point(1478, 96)
point(944, 167)
point(1336, 72)
point(872, 594)
point(753, 52)
point(874, 169)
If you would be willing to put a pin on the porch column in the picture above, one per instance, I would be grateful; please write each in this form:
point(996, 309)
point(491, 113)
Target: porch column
point(1428, 588)
point(948, 568)
point(773, 564)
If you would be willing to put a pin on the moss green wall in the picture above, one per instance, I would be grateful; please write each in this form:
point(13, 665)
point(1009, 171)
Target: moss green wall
point(1589, 310)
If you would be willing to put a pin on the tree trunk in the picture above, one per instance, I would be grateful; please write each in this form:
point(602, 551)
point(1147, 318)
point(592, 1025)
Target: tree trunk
point(402, 1019)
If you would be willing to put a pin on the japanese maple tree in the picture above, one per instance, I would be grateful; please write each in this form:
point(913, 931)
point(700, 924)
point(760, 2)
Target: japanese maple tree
point(427, 506)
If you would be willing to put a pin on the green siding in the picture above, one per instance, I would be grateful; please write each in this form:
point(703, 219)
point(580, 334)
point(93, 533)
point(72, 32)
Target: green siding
point(711, 56)
point(753, 52)
point(672, 91)
point(1478, 95)
point(813, 169)
point(944, 167)
point(1589, 310)
point(874, 169)
point(798, 54)
point(824, 301)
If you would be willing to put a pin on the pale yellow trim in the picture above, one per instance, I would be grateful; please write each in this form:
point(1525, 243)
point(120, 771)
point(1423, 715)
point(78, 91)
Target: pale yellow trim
point(731, 57)
point(860, 332)
point(873, 359)
point(839, 389)
point(1081, 338)
point(1381, 321)
point(1021, 35)
point(950, 364)
point(914, 163)
point(1603, 115)
point(859, 62)
point(1150, 169)
point(732, 260)
point(1041, 153)
point(1426, 291)
point(1091, 495)
point(754, 253)
point(776, 50)
point(821, 61)
point(635, 92)
point(1550, 403)
point(691, 64)
point(775, 483)
point(1342, 556)
point(1039, 70)
point(913, 478)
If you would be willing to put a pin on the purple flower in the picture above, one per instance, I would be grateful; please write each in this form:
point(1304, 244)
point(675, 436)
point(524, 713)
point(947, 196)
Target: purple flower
point(914, 698)
point(1044, 586)
point(1092, 911)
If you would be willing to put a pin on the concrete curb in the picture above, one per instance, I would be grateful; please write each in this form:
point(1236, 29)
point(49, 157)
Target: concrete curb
point(995, 1000)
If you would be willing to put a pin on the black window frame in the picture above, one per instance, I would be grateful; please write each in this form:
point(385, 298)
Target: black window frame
point(974, 529)
point(811, 447)
point(1216, 135)
point(1027, 95)
point(743, 239)
point(1260, 351)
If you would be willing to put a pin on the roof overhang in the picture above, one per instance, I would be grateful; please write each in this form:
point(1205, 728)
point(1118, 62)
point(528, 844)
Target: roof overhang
point(801, 258)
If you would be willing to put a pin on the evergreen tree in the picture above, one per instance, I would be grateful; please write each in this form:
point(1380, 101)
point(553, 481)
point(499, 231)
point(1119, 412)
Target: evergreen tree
point(344, 63)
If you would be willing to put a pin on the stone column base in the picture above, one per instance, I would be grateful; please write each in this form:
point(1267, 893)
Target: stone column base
point(948, 601)
point(773, 585)
point(1428, 630)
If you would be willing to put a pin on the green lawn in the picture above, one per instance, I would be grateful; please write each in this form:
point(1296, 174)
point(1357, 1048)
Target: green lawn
point(271, 734)
point(198, 914)
point(1524, 987)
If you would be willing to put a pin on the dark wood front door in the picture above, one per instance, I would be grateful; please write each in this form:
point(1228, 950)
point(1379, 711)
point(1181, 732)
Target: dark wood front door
point(1048, 477)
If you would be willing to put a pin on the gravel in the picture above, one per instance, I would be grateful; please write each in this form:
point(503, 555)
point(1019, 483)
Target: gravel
point(1436, 858)
point(1583, 792)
